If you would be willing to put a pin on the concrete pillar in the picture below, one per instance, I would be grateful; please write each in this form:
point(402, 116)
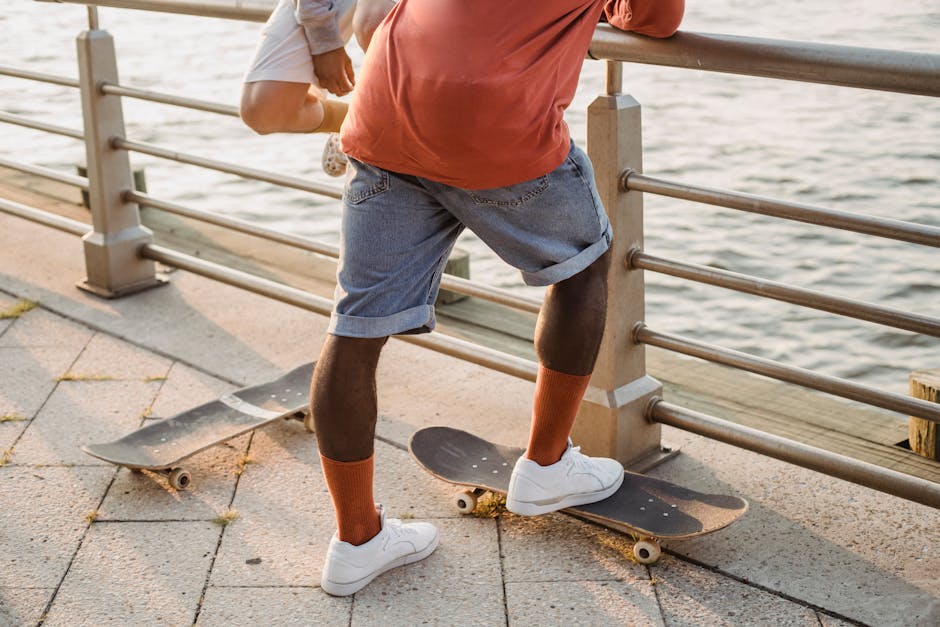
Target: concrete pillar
point(612, 421)
point(112, 263)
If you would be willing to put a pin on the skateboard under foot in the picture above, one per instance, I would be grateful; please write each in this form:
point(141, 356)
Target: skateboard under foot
point(161, 447)
point(650, 509)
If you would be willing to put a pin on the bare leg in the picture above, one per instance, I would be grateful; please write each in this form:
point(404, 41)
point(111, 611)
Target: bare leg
point(567, 339)
point(571, 324)
point(343, 397)
point(281, 107)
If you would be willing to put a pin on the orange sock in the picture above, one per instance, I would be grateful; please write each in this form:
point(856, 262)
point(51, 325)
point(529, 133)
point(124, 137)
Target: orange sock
point(350, 486)
point(557, 399)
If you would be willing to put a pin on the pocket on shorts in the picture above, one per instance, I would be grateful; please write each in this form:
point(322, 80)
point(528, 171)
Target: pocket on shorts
point(512, 195)
point(365, 181)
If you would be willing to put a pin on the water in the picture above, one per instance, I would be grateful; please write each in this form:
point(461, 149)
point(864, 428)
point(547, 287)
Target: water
point(853, 150)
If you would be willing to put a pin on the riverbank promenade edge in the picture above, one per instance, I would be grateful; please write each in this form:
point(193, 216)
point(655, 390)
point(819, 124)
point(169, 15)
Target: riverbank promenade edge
point(82, 542)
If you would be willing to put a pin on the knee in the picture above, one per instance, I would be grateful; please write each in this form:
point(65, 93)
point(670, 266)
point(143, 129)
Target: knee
point(256, 115)
point(594, 276)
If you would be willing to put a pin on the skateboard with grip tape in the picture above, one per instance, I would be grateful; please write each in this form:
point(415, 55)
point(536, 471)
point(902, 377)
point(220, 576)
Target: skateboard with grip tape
point(163, 446)
point(650, 509)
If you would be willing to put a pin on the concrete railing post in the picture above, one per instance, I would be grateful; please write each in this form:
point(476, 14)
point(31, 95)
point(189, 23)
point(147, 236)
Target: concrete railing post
point(612, 421)
point(112, 263)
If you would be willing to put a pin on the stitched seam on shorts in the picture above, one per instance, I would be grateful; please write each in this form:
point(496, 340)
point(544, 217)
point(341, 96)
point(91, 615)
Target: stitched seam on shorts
point(590, 191)
point(373, 190)
point(532, 193)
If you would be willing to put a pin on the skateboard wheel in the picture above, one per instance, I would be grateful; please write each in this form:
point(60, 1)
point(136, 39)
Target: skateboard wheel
point(179, 478)
point(647, 551)
point(465, 501)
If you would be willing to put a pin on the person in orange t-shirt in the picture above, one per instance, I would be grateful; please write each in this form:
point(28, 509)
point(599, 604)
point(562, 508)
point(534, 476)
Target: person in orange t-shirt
point(457, 122)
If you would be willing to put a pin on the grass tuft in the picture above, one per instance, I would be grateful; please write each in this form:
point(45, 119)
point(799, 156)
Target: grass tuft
point(154, 378)
point(69, 376)
point(91, 516)
point(243, 463)
point(226, 518)
point(17, 309)
point(6, 456)
point(12, 417)
point(490, 505)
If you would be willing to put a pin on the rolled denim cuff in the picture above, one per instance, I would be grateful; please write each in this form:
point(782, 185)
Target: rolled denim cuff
point(418, 319)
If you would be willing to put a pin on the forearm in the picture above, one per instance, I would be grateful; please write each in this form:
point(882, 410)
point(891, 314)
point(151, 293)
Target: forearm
point(655, 18)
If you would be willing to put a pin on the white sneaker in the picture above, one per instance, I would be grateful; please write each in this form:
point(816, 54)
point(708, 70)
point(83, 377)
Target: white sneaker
point(350, 568)
point(575, 479)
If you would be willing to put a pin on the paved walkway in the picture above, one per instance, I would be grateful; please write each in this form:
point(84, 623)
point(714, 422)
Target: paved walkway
point(82, 542)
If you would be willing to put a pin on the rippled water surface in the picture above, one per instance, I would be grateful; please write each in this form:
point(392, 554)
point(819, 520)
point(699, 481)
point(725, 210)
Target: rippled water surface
point(853, 150)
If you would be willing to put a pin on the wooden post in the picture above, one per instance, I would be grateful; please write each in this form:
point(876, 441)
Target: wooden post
point(612, 421)
point(925, 434)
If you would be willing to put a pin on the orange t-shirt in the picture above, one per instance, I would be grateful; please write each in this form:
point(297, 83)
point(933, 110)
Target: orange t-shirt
point(471, 93)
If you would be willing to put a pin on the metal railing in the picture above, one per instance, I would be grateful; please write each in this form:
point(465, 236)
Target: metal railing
point(624, 407)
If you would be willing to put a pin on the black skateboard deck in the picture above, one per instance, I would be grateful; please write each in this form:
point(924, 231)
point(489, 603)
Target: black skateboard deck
point(648, 508)
point(161, 446)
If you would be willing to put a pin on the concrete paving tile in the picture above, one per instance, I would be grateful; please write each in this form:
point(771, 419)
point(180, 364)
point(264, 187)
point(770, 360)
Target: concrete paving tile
point(557, 547)
point(582, 603)
point(39, 327)
point(405, 490)
point(147, 496)
point(28, 375)
point(5, 323)
point(459, 584)
point(110, 357)
point(828, 621)
point(690, 595)
point(853, 551)
point(42, 520)
point(83, 412)
point(272, 606)
point(23, 606)
point(137, 574)
point(285, 516)
point(186, 388)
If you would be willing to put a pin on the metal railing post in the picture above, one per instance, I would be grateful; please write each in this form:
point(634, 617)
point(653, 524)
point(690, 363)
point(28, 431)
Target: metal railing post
point(612, 421)
point(113, 264)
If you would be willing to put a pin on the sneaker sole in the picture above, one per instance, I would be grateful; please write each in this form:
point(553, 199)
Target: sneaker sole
point(345, 589)
point(528, 508)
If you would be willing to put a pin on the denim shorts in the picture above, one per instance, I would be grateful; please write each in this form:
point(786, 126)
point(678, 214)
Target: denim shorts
point(398, 231)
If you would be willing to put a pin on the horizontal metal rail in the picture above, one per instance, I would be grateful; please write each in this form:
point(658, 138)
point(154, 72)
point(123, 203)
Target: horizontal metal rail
point(19, 120)
point(439, 342)
point(230, 168)
point(808, 62)
point(37, 170)
point(242, 226)
point(44, 217)
point(170, 99)
point(787, 293)
point(448, 282)
point(6, 70)
point(791, 374)
point(870, 225)
point(848, 66)
point(245, 10)
point(826, 462)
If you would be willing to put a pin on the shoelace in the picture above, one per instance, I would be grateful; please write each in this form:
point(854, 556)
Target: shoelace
point(399, 529)
point(579, 461)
